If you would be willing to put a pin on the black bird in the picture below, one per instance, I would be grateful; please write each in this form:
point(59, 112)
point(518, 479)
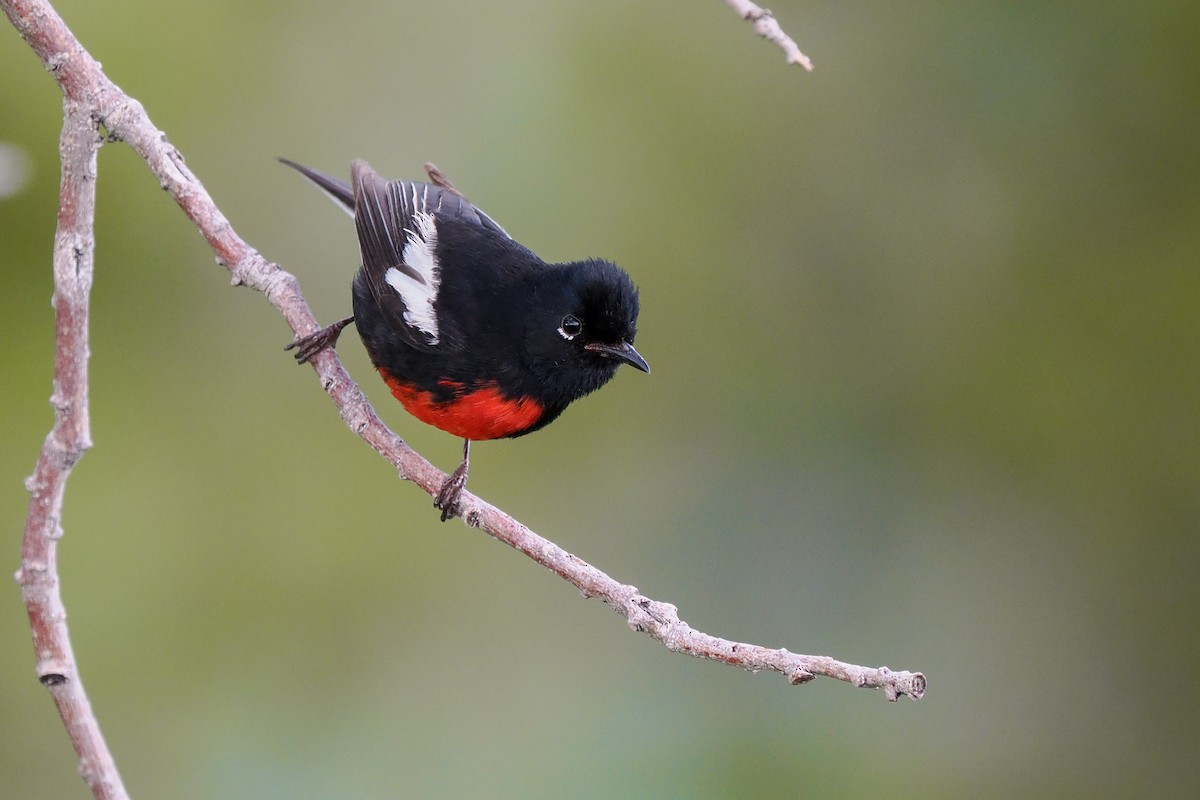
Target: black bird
point(471, 331)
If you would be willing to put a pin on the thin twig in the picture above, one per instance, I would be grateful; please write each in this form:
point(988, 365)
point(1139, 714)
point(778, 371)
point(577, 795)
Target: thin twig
point(88, 89)
point(766, 26)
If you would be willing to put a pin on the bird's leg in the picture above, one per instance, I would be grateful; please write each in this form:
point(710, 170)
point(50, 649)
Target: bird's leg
point(447, 497)
point(308, 346)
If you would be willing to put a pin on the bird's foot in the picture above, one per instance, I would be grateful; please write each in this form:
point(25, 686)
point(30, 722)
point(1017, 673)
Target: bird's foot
point(448, 496)
point(308, 346)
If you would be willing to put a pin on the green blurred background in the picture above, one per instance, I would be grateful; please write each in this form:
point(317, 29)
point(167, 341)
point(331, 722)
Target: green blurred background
point(924, 334)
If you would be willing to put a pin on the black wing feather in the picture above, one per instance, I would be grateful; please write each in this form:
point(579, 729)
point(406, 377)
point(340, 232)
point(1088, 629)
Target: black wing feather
point(385, 216)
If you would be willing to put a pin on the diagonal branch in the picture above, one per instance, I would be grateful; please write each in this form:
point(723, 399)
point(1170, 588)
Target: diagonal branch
point(766, 26)
point(90, 95)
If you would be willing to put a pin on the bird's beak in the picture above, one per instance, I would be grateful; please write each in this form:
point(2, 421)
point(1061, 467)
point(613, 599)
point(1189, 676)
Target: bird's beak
point(621, 352)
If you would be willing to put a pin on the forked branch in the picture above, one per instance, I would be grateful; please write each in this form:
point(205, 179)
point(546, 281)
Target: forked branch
point(92, 101)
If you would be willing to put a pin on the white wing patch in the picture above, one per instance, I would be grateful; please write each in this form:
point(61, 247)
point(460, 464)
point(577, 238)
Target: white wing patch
point(419, 295)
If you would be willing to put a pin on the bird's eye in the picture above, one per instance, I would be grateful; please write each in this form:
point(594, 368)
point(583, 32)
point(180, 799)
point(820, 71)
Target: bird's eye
point(570, 327)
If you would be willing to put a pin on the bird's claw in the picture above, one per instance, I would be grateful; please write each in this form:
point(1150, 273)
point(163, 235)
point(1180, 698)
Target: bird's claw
point(308, 346)
point(448, 496)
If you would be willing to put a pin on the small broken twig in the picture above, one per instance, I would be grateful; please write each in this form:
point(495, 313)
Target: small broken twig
point(766, 26)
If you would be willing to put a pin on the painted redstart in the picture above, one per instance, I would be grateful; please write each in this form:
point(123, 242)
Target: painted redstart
point(472, 332)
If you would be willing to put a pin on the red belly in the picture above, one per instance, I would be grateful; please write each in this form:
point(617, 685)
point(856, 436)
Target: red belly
point(481, 413)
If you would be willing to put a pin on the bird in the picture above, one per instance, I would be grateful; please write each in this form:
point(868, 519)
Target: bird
point(471, 331)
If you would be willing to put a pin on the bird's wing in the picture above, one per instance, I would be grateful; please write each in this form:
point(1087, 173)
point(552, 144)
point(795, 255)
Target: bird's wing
point(342, 194)
point(397, 224)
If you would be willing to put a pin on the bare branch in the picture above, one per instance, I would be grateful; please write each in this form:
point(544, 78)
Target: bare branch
point(74, 249)
point(661, 620)
point(91, 95)
point(767, 27)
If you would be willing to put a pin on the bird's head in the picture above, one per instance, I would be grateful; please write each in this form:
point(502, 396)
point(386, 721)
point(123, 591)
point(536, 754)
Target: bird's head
point(582, 327)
